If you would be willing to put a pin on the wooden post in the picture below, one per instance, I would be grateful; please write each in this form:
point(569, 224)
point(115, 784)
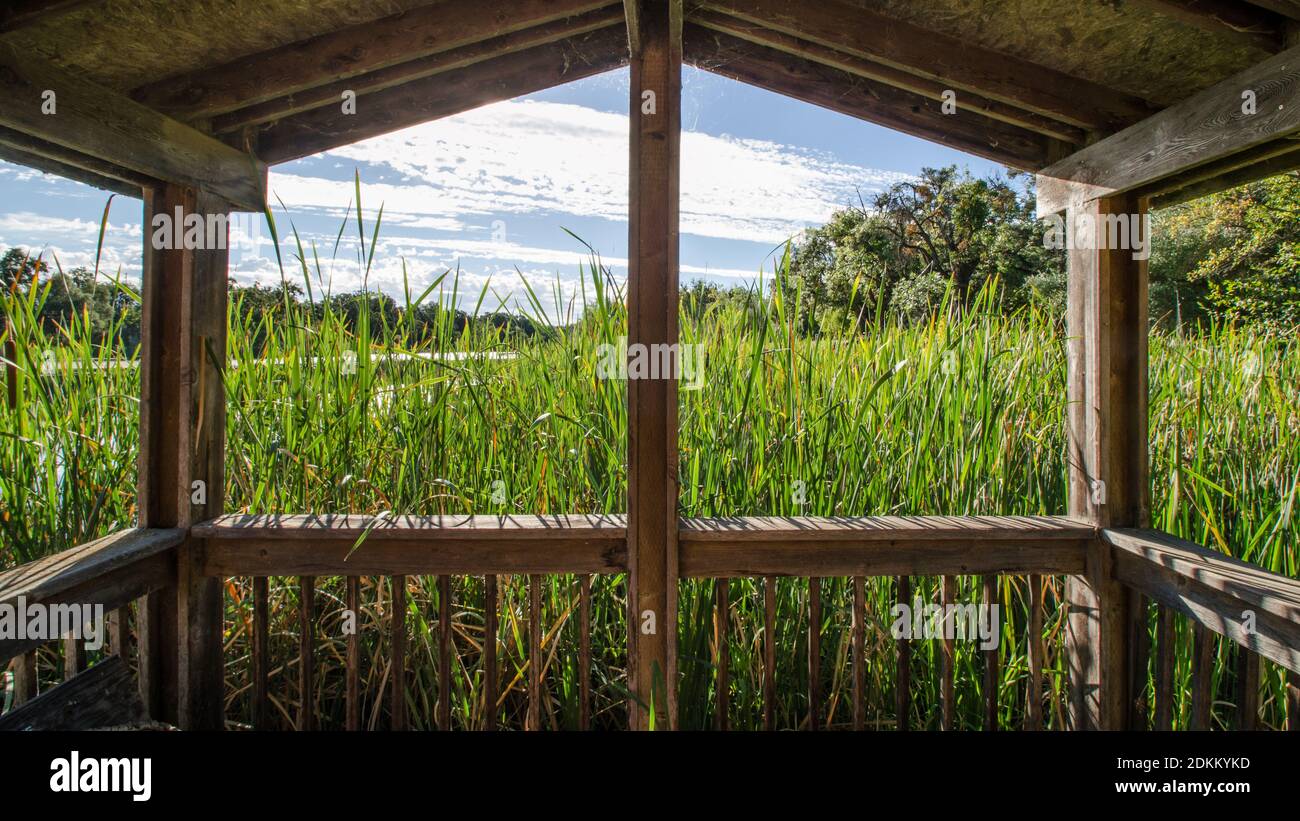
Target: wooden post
point(1107, 441)
point(182, 469)
point(656, 32)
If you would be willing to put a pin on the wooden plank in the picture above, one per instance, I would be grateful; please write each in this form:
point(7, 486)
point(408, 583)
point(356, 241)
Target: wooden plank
point(59, 167)
point(119, 632)
point(1241, 23)
point(398, 659)
point(1287, 8)
point(1293, 701)
point(74, 657)
point(490, 652)
point(444, 94)
point(26, 681)
point(111, 571)
point(957, 62)
point(859, 648)
point(903, 676)
point(1248, 664)
point(261, 652)
point(1139, 663)
point(868, 100)
point(103, 696)
point(1237, 175)
point(444, 652)
point(1213, 590)
point(989, 587)
point(947, 656)
point(99, 122)
point(1206, 127)
point(969, 103)
point(881, 545)
point(353, 684)
point(19, 14)
point(1166, 656)
point(721, 653)
point(347, 52)
point(1203, 652)
point(1035, 652)
point(535, 658)
point(306, 654)
point(769, 653)
point(814, 653)
point(654, 174)
point(584, 652)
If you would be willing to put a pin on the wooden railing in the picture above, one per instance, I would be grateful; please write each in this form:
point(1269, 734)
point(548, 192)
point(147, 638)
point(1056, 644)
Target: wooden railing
point(1254, 608)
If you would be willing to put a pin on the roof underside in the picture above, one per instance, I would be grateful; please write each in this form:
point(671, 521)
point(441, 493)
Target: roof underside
point(1035, 80)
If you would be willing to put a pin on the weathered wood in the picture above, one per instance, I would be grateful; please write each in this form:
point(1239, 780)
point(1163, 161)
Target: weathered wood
point(331, 93)
point(111, 571)
point(1166, 656)
point(769, 653)
point(584, 652)
point(1279, 157)
point(652, 306)
point(721, 653)
point(881, 545)
point(1035, 652)
point(1213, 590)
point(103, 696)
point(1289, 9)
point(903, 675)
point(353, 683)
point(1139, 648)
point(119, 632)
point(444, 652)
point(958, 62)
point(490, 652)
point(18, 14)
point(306, 654)
point(367, 545)
point(444, 94)
point(344, 53)
point(859, 648)
point(989, 589)
point(398, 653)
point(74, 657)
point(1239, 22)
point(947, 655)
point(77, 172)
point(261, 652)
point(814, 653)
point(26, 681)
point(1203, 648)
point(535, 658)
point(98, 122)
point(1248, 664)
point(856, 96)
point(1293, 701)
point(1206, 127)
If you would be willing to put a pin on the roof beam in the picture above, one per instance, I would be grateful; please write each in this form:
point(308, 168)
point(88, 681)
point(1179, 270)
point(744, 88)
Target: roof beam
point(956, 62)
point(331, 93)
point(442, 95)
point(23, 13)
point(349, 52)
point(858, 97)
point(1287, 8)
point(879, 72)
point(1247, 24)
point(118, 132)
point(1208, 127)
point(1273, 159)
point(24, 149)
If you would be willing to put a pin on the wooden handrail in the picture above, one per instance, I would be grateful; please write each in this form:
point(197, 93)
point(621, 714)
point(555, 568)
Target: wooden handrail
point(111, 571)
point(1215, 591)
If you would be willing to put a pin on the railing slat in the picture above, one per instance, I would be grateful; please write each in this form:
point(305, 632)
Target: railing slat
point(721, 652)
point(1166, 653)
point(1293, 701)
point(25, 682)
point(859, 643)
point(903, 674)
point(1202, 678)
point(1034, 699)
point(1248, 664)
point(584, 652)
point(261, 665)
point(398, 661)
point(353, 605)
point(990, 593)
point(814, 653)
point(490, 652)
point(769, 653)
point(534, 653)
point(306, 652)
point(74, 657)
point(444, 652)
point(1139, 645)
point(119, 632)
point(947, 655)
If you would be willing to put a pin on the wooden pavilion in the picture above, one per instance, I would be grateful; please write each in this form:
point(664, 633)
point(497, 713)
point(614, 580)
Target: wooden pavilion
point(1117, 105)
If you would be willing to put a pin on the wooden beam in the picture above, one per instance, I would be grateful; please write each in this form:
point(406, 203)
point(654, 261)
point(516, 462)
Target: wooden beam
point(1289, 9)
point(71, 172)
point(95, 121)
point(111, 571)
point(654, 177)
point(445, 94)
point(1214, 590)
point(1229, 174)
point(419, 32)
point(969, 103)
point(1107, 441)
point(882, 546)
point(19, 14)
point(858, 97)
point(330, 94)
point(957, 62)
point(105, 696)
point(1207, 127)
point(1242, 23)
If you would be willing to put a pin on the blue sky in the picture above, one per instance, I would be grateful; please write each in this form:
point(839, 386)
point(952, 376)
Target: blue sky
point(492, 190)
